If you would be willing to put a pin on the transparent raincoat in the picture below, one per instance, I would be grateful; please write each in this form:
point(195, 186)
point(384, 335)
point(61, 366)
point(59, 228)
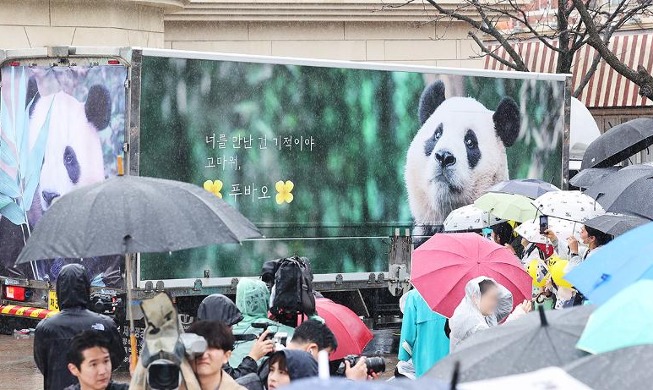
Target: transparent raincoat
point(467, 319)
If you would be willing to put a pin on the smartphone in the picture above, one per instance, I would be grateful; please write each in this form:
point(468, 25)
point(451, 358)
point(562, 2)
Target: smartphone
point(544, 224)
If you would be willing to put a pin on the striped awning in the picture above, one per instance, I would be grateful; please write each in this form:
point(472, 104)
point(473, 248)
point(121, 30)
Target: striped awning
point(606, 88)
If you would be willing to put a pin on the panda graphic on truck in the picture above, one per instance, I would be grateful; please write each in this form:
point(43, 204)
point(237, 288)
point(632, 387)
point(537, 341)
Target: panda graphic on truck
point(457, 154)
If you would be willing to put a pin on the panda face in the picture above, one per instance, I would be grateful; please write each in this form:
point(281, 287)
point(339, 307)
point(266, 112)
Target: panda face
point(459, 152)
point(73, 155)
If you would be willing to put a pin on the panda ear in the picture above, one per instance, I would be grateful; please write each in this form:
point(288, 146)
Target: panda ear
point(507, 121)
point(430, 100)
point(98, 107)
point(32, 95)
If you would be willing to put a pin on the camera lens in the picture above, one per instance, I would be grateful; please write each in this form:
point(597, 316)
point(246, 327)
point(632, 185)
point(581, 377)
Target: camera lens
point(375, 364)
point(163, 376)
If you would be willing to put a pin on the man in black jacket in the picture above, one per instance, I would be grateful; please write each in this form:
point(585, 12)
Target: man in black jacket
point(53, 335)
point(89, 360)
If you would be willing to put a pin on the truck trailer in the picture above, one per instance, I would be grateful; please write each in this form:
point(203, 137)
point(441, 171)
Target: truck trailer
point(334, 161)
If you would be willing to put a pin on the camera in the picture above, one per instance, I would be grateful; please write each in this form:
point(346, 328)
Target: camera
point(374, 364)
point(163, 374)
point(279, 338)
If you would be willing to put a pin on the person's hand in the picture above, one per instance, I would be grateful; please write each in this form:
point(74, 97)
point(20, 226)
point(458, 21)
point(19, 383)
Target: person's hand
point(357, 372)
point(572, 244)
point(261, 347)
point(550, 234)
point(526, 306)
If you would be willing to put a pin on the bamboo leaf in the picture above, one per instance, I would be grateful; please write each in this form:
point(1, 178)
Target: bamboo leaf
point(5, 123)
point(5, 200)
point(7, 154)
point(21, 121)
point(8, 185)
point(13, 213)
point(33, 170)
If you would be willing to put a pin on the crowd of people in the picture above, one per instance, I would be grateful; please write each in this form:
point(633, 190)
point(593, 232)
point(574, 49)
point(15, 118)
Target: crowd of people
point(427, 337)
point(79, 349)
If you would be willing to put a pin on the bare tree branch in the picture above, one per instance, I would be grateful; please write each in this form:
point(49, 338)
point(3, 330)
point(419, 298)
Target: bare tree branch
point(491, 53)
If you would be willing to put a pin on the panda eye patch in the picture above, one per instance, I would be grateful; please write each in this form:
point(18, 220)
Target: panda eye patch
point(429, 145)
point(71, 164)
point(470, 139)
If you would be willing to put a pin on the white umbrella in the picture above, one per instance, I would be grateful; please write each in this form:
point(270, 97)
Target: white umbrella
point(551, 378)
point(469, 217)
point(569, 205)
point(562, 228)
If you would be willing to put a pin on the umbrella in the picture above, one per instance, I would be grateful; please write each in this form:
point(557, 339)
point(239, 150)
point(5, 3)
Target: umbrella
point(616, 224)
point(507, 206)
point(619, 143)
point(131, 214)
point(446, 262)
point(562, 228)
point(612, 267)
point(345, 384)
point(627, 368)
point(588, 177)
point(469, 217)
point(621, 192)
point(531, 188)
point(537, 340)
point(551, 378)
point(624, 321)
point(350, 331)
point(569, 205)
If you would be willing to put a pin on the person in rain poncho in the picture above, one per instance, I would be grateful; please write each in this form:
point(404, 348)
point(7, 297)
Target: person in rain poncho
point(252, 299)
point(422, 334)
point(485, 305)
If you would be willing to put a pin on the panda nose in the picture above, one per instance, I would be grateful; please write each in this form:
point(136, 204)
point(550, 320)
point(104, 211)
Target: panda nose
point(445, 158)
point(49, 197)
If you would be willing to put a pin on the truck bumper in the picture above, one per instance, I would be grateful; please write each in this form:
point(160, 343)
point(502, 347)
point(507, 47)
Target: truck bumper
point(35, 313)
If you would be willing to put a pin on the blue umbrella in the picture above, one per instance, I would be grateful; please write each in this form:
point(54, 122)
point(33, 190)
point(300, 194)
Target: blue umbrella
point(531, 188)
point(615, 266)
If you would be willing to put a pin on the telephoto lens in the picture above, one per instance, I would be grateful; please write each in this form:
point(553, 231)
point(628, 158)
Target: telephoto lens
point(374, 364)
point(163, 375)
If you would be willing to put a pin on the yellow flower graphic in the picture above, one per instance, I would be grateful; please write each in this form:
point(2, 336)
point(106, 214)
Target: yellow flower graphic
point(284, 191)
point(214, 187)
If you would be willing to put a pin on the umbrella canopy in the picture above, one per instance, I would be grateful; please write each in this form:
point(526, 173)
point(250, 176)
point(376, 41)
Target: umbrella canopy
point(627, 368)
point(531, 188)
point(530, 230)
point(621, 192)
point(442, 266)
point(619, 143)
point(624, 321)
point(615, 266)
point(535, 341)
point(131, 214)
point(569, 205)
point(468, 218)
point(616, 224)
point(346, 384)
point(507, 206)
point(551, 378)
point(351, 332)
point(590, 176)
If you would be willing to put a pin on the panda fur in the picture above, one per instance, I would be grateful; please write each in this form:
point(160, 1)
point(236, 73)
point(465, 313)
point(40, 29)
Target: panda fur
point(457, 154)
point(73, 155)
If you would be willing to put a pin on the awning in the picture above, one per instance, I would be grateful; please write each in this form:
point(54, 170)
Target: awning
point(606, 88)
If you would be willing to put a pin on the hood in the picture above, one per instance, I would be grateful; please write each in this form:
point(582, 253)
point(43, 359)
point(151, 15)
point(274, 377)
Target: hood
point(217, 307)
point(73, 287)
point(252, 298)
point(300, 364)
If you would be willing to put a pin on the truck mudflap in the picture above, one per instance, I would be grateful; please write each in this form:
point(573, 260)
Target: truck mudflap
point(35, 313)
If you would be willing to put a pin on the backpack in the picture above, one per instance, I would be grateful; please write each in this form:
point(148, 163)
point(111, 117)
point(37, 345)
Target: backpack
point(292, 286)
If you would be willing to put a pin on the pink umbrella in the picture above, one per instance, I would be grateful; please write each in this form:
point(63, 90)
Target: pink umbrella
point(350, 331)
point(442, 266)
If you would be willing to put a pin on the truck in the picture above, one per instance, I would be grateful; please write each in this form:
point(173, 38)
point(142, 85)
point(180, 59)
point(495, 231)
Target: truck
point(331, 160)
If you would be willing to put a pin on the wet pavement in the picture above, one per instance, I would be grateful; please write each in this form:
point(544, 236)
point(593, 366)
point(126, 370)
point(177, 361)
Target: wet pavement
point(18, 370)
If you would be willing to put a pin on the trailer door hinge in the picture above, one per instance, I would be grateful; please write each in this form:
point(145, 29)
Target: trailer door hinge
point(125, 147)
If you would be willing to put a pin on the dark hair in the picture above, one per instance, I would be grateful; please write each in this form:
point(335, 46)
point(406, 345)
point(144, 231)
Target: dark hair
point(217, 334)
point(86, 340)
point(503, 231)
point(601, 238)
point(314, 331)
point(485, 285)
point(279, 358)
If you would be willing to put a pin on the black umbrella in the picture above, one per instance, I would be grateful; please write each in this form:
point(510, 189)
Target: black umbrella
point(132, 214)
point(619, 143)
point(626, 191)
point(627, 368)
point(537, 340)
point(590, 176)
point(531, 188)
point(616, 224)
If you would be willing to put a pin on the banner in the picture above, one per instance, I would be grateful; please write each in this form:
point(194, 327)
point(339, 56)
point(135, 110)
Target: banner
point(60, 128)
point(328, 161)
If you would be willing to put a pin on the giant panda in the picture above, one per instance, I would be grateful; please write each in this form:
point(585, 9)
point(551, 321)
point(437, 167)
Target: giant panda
point(73, 155)
point(457, 154)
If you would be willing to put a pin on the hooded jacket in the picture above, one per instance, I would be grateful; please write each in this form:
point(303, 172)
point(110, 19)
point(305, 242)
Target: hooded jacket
point(300, 364)
point(252, 299)
point(53, 335)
